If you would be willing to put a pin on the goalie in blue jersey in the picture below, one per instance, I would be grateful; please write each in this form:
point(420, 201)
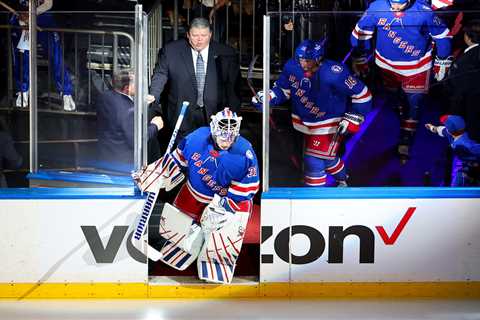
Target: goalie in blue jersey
point(209, 215)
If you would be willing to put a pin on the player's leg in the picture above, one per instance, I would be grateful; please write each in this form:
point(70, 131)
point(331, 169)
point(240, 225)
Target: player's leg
point(314, 172)
point(415, 88)
point(224, 232)
point(63, 81)
point(336, 168)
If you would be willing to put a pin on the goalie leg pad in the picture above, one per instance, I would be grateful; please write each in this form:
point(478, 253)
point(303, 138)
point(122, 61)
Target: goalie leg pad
point(183, 238)
point(218, 256)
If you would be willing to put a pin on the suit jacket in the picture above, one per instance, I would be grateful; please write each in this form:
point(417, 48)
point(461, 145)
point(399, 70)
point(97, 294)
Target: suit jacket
point(175, 67)
point(115, 131)
point(464, 91)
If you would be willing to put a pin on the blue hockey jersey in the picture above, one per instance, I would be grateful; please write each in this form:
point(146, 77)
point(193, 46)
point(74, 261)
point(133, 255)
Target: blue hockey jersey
point(403, 39)
point(319, 102)
point(463, 147)
point(232, 173)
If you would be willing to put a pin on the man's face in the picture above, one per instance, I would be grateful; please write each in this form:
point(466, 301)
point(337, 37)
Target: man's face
point(396, 7)
point(307, 65)
point(223, 144)
point(199, 38)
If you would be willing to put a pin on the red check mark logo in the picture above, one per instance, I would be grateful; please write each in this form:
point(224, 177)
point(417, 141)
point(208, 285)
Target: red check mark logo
point(390, 240)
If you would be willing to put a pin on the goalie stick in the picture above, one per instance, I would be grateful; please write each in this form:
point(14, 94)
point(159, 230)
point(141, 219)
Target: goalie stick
point(138, 241)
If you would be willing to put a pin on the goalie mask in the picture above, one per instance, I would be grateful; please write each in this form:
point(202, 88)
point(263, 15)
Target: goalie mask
point(398, 5)
point(225, 128)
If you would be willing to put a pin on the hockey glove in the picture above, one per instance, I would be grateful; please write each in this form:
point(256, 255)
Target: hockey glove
point(441, 67)
point(434, 129)
point(216, 215)
point(163, 173)
point(360, 66)
point(257, 100)
point(350, 123)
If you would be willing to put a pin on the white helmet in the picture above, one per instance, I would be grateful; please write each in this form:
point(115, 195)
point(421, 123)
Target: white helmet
point(225, 125)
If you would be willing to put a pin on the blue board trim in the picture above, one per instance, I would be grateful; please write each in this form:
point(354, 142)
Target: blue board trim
point(371, 193)
point(83, 177)
point(70, 193)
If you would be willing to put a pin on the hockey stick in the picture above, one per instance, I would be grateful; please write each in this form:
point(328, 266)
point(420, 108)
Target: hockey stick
point(250, 75)
point(137, 240)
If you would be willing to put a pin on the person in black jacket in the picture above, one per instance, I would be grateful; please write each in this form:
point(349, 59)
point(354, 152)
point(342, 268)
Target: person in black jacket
point(115, 125)
point(202, 72)
point(463, 81)
point(9, 157)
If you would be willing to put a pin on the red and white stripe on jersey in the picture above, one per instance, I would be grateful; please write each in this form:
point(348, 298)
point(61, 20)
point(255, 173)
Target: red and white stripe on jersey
point(328, 126)
point(445, 34)
point(315, 181)
point(245, 190)
point(200, 197)
point(437, 4)
point(362, 34)
point(363, 96)
point(178, 155)
point(409, 125)
point(405, 68)
point(336, 168)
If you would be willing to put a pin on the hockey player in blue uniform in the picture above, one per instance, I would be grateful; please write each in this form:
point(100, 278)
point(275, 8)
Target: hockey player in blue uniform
point(51, 47)
point(327, 103)
point(210, 212)
point(465, 150)
point(404, 53)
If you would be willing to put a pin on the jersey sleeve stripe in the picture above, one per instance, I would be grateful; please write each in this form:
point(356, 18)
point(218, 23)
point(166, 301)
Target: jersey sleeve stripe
point(443, 35)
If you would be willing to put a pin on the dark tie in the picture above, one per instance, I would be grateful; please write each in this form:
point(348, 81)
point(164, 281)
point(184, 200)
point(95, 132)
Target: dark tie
point(200, 76)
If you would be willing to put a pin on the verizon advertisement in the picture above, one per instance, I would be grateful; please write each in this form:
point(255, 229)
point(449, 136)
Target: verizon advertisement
point(370, 240)
point(83, 240)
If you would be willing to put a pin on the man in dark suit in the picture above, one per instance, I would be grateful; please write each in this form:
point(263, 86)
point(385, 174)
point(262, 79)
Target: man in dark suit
point(115, 123)
point(463, 81)
point(202, 72)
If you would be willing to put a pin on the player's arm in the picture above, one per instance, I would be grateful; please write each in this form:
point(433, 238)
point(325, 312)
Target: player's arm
point(360, 40)
point(443, 43)
point(361, 101)
point(280, 92)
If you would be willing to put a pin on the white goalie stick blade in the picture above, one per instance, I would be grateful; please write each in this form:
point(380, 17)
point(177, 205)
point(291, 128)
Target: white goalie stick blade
point(218, 258)
point(183, 238)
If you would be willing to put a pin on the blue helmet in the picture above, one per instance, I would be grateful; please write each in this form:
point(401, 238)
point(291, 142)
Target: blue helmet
point(398, 1)
point(23, 3)
point(310, 49)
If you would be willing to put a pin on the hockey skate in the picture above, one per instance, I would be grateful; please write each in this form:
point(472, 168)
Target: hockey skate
point(22, 99)
point(403, 153)
point(342, 184)
point(68, 103)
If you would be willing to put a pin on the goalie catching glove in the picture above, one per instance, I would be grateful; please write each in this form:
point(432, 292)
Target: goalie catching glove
point(350, 123)
point(163, 173)
point(218, 213)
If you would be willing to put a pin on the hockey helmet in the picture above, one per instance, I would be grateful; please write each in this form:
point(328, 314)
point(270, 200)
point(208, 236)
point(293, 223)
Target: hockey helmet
point(398, 1)
point(225, 126)
point(23, 3)
point(310, 49)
